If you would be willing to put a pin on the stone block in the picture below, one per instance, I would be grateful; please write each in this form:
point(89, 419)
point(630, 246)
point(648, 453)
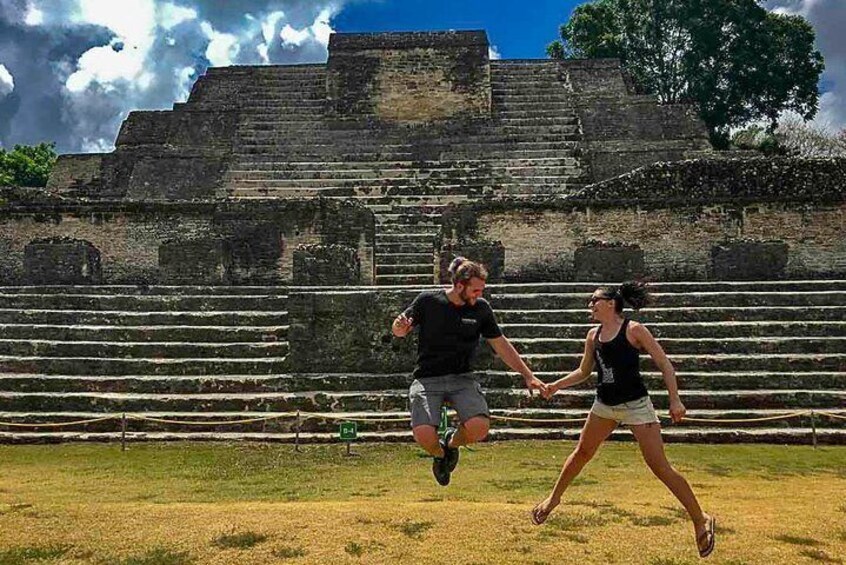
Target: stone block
point(326, 265)
point(61, 260)
point(603, 261)
point(489, 253)
point(201, 261)
point(749, 260)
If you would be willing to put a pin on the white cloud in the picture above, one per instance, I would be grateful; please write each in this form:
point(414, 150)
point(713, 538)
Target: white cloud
point(7, 82)
point(34, 16)
point(171, 15)
point(321, 28)
point(295, 37)
point(268, 27)
point(223, 47)
point(493, 53)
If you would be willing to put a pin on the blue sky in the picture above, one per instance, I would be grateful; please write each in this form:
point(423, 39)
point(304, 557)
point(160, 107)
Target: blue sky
point(519, 30)
point(71, 70)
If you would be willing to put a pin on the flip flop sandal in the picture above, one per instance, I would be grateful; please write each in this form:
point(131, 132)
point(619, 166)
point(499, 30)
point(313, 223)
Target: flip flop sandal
point(539, 517)
point(710, 535)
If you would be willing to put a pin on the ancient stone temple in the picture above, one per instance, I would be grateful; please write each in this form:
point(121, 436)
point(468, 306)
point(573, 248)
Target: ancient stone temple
point(244, 252)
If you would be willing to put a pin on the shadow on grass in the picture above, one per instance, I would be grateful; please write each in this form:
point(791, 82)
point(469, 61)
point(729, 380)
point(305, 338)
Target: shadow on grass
point(22, 555)
point(819, 555)
point(414, 530)
point(157, 556)
point(357, 550)
point(797, 540)
point(289, 552)
point(241, 540)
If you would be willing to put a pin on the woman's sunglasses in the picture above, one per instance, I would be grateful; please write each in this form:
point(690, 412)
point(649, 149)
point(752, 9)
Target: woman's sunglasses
point(594, 299)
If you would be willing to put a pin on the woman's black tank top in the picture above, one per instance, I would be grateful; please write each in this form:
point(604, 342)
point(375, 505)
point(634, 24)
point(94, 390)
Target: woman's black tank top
point(618, 369)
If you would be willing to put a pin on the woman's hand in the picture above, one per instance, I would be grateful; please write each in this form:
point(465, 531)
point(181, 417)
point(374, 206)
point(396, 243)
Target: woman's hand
point(677, 410)
point(551, 389)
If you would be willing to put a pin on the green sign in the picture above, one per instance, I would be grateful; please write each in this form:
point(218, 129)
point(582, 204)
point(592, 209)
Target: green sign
point(349, 431)
point(442, 428)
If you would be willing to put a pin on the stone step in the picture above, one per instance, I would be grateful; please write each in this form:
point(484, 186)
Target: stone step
point(207, 334)
point(167, 290)
point(330, 382)
point(458, 180)
point(393, 400)
point(544, 301)
point(404, 221)
point(747, 330)
point(150, 366)
point(330, 167)
point(800, 436)
point(153, 318)
point(427, 238)
point(415, 248)
point(771, 362)
point(141, 302)
point(692, 287)
point(422, 269)
point(315, 134)
point(393, 280)
point(250, 154)
point(400, 258)
point(468, 190)
point(673, 345)
point(139, 350)
point(683, 314)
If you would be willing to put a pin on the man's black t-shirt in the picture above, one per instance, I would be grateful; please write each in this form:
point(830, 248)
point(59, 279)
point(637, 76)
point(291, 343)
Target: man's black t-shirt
point(449, 334)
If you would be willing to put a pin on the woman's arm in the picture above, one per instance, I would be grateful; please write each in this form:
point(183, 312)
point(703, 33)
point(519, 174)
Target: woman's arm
point(582, 373)
point(643, 339)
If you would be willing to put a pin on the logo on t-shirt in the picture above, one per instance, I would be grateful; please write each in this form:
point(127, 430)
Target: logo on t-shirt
point(607, 372)
point(469, 321)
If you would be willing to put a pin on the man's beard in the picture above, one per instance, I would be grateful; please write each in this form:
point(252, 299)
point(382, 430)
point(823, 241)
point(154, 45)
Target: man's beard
point(465, 297)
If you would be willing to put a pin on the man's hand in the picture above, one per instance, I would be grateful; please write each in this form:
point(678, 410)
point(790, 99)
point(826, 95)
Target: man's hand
point(403, 325)
point(535, 384)
point(677, 410)
point(551, 389)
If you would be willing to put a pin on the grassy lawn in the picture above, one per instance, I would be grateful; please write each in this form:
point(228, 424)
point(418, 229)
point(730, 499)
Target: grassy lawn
point(250, 503)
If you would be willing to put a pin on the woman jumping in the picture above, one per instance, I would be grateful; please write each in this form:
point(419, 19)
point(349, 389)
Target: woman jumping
point(622, 398)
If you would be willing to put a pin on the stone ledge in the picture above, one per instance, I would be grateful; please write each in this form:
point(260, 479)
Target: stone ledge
point(406, 40)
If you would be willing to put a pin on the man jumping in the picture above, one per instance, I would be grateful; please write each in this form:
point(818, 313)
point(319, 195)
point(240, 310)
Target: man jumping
point(451, 321)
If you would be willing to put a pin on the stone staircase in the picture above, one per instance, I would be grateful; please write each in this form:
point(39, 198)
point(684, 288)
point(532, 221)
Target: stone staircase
point(742, 351)
point(288, 146)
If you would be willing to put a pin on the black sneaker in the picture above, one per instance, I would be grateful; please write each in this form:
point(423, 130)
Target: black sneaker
point(440, 469)
point(450, 453)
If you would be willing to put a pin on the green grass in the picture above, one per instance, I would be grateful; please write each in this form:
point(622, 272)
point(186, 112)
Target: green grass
point(264, 504)
point(24, 555)
point(217, 473)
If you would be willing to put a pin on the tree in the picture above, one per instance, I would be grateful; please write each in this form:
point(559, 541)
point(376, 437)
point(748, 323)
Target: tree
point(27, 165)
point(733, 59)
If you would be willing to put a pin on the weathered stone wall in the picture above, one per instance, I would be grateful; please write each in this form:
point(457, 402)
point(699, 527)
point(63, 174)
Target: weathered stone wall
point(210, 243)
point(623, 130)
point(326, 265)
point(348, 331)
point(691, 220)
point(409, 77)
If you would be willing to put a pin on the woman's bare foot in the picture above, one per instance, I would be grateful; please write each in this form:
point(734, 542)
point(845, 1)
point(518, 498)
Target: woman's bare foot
point(542, 511)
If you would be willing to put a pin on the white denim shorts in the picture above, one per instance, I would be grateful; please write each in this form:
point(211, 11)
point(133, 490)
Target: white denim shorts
point(634, 413)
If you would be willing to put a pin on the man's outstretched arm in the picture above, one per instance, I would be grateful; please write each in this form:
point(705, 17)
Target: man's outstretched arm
point(511, 358)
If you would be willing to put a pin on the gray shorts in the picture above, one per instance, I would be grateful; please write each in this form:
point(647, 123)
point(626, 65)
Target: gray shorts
point(428, 394)
point(634, 413)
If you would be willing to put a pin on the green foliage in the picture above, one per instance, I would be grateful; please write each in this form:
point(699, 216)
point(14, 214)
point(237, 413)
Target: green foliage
point(733, 59)
point(27, 165)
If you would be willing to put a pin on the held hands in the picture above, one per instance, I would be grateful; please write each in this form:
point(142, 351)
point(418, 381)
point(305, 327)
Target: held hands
point(551, 389)
point(677, 410)
point(535, 384)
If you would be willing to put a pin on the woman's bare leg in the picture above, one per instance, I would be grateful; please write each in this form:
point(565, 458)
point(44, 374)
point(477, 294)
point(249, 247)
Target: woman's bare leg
point(595, 431)
point(652, 447)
